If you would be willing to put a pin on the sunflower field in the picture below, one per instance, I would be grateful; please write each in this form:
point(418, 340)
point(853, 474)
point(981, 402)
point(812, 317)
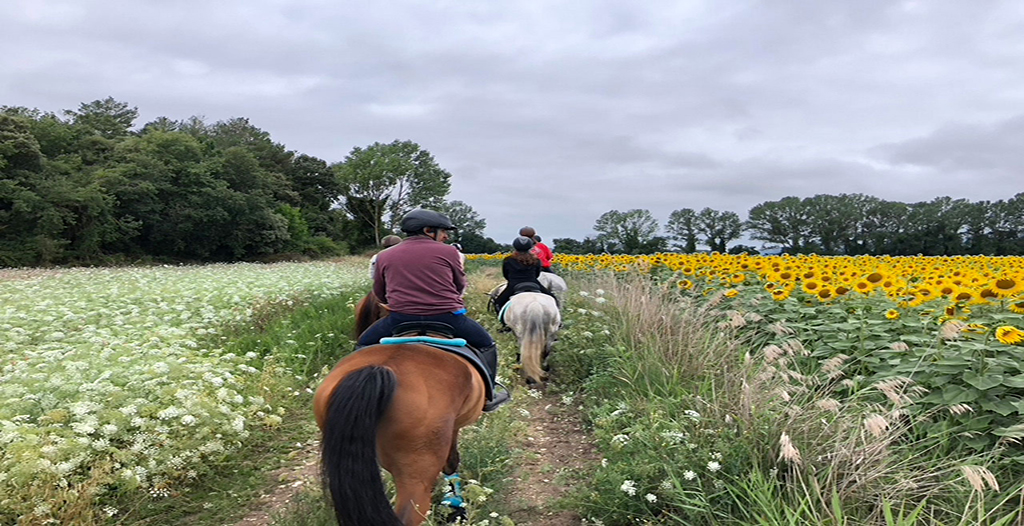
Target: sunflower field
point(885, 381)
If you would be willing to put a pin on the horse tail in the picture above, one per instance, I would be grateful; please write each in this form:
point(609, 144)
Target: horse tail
point(348, 449)
point(533, 340)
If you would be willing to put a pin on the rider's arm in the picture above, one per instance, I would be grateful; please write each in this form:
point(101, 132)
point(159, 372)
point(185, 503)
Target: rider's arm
point(459, 277)
point(378, 284)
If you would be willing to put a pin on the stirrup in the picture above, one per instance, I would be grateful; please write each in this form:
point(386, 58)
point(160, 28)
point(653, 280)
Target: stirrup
point(498, 398)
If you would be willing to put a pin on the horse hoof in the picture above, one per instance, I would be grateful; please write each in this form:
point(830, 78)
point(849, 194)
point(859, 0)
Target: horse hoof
point(457, 515)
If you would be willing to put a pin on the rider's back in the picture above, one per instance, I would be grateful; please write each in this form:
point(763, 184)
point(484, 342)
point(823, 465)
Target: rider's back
point(420, 277)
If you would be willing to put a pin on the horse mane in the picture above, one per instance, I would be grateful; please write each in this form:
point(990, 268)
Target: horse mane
point(368, 310)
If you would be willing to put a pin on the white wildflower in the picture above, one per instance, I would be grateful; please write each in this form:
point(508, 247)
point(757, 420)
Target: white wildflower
point(629, 487)
point(714, 466)
point(689, 475)
point(652, 498)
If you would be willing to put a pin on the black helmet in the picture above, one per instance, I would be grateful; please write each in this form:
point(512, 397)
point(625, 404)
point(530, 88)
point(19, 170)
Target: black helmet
point(522, 244)
point(420, 218)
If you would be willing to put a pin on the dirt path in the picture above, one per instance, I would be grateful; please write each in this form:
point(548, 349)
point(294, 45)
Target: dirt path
point(558, 453)
point(303, 473)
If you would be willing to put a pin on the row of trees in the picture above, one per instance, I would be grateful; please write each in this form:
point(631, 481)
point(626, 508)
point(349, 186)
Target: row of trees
point(85, 187)
point(845, 224)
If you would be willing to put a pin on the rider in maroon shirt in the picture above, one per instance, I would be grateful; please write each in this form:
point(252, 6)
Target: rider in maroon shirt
point(422, 279)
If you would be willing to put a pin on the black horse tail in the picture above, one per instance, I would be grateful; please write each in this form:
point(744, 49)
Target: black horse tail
point(348, 449)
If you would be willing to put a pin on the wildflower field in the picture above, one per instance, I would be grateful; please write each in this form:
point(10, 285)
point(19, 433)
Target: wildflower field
point(718, 389)
point(797, 389)
point(120, 381)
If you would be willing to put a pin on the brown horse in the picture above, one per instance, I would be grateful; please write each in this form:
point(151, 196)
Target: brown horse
point(368, 310)
point(402, 405)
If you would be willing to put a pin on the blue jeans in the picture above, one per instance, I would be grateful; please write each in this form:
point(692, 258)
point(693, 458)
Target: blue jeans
point(465, 328)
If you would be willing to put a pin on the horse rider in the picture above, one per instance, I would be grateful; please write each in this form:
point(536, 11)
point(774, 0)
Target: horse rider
point(542, 251)
point(386, 243)
point(422, 279)
point(519, 268)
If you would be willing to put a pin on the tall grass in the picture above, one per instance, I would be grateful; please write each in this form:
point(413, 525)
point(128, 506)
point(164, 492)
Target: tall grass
point(703, 421)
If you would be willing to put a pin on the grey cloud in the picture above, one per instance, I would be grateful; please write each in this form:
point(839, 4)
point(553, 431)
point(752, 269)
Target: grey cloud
point(583, 108)
point(994, 147)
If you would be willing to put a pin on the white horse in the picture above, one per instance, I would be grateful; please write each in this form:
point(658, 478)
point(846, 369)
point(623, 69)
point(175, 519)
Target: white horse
point(555, 284)
point(534, 318)
point(552, 282)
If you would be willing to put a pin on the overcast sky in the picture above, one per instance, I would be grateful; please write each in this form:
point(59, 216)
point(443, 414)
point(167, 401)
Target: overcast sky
point(550, 113)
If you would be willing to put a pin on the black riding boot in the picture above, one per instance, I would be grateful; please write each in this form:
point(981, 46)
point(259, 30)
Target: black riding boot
point(489, 356)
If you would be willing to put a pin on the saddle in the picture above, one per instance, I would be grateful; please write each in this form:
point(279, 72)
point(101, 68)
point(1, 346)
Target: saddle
point(526, 286)
point(441, 336)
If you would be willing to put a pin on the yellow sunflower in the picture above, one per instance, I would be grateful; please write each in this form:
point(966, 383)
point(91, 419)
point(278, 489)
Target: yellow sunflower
point(976, 328)
point(684, 284)
point(863, 286)
point(732, 293)
point(1017, 306)
point(892, 314)
point(811, 286)
point(780, 294)
point(1006, 286)
point(1009, 335)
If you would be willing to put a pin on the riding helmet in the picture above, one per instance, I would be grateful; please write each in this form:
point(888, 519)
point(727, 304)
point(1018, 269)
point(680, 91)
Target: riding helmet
point(522, 244)
point(420, 218)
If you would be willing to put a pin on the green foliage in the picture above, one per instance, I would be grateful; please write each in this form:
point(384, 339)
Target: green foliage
point(629, 232)
point(382, 182)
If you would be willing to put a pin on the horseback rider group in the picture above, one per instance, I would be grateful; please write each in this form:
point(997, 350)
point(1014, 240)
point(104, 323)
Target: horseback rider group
point(422, 279)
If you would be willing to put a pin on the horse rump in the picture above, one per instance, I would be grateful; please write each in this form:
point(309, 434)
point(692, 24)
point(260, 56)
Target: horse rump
point(348, 448)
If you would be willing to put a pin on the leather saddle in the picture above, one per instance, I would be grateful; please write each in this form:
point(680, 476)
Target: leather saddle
point(441, 336)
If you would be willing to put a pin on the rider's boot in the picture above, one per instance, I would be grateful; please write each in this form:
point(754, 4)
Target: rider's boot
point(489, 356)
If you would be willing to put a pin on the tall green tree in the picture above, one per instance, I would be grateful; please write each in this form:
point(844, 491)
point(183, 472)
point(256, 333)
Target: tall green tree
point(783, 223)
point(630, 232)
point(719, 228)
point(108, 118)
point(317, 188)
point(465, 218)
point(568, 245)
point(382, 182)
point(833, 221)
point(882, 225)
point(682, 228)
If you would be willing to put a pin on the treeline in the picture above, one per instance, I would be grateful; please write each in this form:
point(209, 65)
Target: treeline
point(84, 187)
point(845, 224)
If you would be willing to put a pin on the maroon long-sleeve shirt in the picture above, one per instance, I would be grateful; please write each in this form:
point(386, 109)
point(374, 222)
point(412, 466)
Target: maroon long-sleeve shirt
point(421, 277)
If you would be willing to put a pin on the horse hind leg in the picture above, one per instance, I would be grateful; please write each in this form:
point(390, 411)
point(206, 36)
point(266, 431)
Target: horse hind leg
point(452, 464)
point(415, 474)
